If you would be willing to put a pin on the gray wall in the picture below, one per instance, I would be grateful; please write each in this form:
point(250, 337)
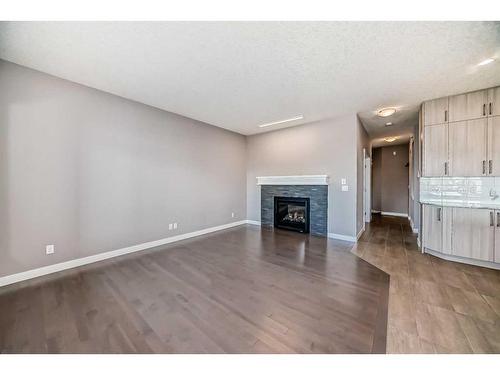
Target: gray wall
point(362, 142)
point(390, 179)
point(325, 147)
point(91, 172)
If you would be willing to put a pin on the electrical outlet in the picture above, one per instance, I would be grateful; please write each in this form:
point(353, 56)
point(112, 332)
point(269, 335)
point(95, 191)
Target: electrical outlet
point(175, 225)
point(49, 249)
point(345, 188)
point(232, 214)
point(170, 226)
point(343, 181)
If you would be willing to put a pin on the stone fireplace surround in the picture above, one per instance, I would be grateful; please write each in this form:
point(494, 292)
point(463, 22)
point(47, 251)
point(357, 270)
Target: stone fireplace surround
point(313, 187)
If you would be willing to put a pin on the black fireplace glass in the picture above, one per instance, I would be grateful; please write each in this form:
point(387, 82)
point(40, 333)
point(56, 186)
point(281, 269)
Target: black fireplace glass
point(291, 213)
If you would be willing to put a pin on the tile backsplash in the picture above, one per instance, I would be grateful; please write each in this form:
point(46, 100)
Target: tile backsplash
point(461, 191)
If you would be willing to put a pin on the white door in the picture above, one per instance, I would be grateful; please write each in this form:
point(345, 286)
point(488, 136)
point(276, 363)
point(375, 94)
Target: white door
point(367, 190)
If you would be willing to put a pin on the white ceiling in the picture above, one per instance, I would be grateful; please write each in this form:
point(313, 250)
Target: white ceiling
point(237, 75)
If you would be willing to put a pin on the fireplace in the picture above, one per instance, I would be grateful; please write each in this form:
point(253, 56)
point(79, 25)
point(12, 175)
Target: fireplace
point(291, 213)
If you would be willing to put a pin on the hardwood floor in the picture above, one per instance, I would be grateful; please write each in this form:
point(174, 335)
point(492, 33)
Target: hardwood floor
point(435, 306)
point(243, 290)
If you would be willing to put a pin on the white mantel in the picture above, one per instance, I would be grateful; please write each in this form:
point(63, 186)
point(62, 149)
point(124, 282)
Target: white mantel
point(320, 179)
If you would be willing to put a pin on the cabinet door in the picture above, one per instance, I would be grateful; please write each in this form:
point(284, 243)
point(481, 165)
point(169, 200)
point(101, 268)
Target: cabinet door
point(467, 148)
point(468, 106)
point(436, 111)
point(473, 233)
point(435, 150)
point(497, 237)
point(432, 227)
point(494, 101)
point(494, 146)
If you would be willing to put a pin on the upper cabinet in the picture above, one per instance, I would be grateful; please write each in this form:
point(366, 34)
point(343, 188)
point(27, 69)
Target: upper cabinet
point(494, 101)
point(436, 111)
point(470, 106)
point(467, 148)
point(435, 151)
point(461, 135)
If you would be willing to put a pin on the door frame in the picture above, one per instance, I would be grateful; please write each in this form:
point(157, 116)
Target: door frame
point(367, 188)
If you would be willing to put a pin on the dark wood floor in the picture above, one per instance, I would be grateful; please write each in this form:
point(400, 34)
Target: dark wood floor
point(243, 290)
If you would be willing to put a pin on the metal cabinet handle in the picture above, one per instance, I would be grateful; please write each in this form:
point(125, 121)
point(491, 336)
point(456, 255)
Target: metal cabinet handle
point(490, 108)
point(439, 213)
point(498, 219)
point(490, 166)
point(484, 109)
point(484, 166)
point(491, 219)
point(445, 115)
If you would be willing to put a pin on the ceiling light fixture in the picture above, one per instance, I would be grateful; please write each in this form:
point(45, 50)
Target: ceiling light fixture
point(390, 139)
point(282, 121)
point(388, 124)
point(384, 112)
point(485, 62)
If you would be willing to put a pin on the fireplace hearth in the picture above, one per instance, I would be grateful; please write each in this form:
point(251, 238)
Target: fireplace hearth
point(291, 213)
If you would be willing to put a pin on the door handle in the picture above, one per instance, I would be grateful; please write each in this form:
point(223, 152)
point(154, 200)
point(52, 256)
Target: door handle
point(491, 219)
point(439, 213)
point(490, 108)
point(446, 168)
point(484, 109)
point(484, 166)
point(490, 166)
point(445, 115)
point(498, 219)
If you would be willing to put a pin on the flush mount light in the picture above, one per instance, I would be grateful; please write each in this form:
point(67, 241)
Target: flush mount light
point(485, 62)
point(390, 139)
point(388, 124)
point(282, 121)
point(384, 112)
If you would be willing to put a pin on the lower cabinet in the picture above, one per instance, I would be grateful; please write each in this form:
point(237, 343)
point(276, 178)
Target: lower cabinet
point(437, 228)
point(473, 233)
point(463, 232)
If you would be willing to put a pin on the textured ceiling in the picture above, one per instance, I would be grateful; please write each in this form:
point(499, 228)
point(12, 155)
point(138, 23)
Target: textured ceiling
point(237, 75)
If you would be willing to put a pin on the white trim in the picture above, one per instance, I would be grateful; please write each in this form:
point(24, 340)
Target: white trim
point(400, 214)
point(341, 237)
point(293, 180)
point(21, 276)
point(375, 212)
point(454, 258)
point(360, 233)
point(253, 222)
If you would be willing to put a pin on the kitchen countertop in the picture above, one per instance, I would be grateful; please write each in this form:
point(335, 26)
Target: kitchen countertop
point(486, 205)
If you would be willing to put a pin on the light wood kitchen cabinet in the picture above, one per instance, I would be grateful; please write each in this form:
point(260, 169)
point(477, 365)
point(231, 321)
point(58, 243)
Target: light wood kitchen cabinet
point(436, 111)
point(494, 146)
point(467, 148)
point(494, 101)
point(468, 106)
point(437, 228)
point(473, 233)
point(435, 155)
point(432, 227)
point(496, 255)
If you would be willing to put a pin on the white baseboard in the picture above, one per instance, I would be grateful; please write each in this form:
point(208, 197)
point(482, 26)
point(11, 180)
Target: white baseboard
point(342, 237)
point(394, 213)
point(31, 274)
point(252, 222)
point(412, 225)
point(360, 234)
point(375, 212)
